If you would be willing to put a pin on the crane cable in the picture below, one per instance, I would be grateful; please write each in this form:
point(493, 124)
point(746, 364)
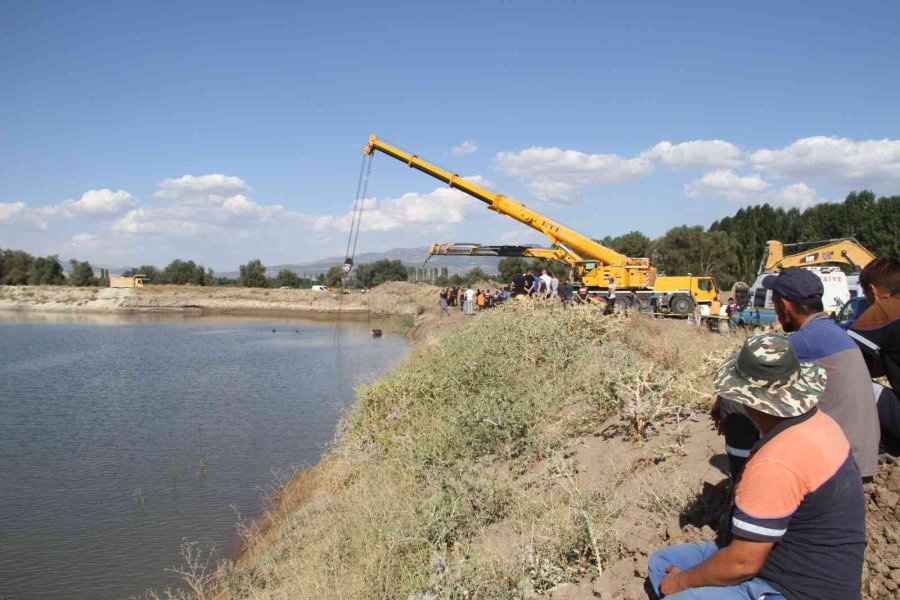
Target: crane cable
point(362, 185)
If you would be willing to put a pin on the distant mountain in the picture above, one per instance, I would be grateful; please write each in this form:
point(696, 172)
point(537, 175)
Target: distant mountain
point(411, 257)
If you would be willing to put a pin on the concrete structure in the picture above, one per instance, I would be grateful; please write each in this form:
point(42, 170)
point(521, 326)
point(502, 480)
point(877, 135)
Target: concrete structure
point(135, 281)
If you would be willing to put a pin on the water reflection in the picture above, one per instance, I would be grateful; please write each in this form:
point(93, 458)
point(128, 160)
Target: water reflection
point(122, 434)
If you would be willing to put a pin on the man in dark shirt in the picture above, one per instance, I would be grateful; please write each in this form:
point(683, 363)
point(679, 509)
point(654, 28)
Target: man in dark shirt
point(518, 284)
point(798, 524)
point(877, 333)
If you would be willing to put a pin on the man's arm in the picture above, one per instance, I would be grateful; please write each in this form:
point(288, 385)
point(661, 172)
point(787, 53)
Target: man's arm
point(733, 564)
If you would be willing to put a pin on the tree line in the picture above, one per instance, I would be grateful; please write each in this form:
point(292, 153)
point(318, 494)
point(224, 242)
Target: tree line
point(730, 249)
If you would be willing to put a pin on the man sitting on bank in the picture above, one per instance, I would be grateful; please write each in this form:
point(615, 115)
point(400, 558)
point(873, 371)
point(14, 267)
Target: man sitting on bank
point(798, 523)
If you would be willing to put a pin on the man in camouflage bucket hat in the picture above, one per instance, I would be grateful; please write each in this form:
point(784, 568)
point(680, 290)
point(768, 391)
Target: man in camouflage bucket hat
point(797, 527)
point(766, 375)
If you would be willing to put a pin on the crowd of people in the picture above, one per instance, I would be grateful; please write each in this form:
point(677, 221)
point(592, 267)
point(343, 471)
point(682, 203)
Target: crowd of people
point(803, 426)
point(469, 300)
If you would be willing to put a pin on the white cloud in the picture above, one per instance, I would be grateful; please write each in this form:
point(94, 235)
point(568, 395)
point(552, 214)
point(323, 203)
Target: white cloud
point(523, 237)
point(705, 154)
point(85, 240)
point(466, 147)
point(12, 211)
point(434, 211)
point(725, 183)
point(201, 186)
point(798, 195)
point(95, 202)
point(749, 189)
point(18, 213)
point(165, 222)
point(835, 159)
point(558, 176)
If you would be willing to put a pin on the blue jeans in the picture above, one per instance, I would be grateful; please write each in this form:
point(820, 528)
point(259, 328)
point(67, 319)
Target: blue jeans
point(685, 556)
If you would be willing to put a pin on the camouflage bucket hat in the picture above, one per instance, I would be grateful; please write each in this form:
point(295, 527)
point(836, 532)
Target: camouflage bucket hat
point(766, 375)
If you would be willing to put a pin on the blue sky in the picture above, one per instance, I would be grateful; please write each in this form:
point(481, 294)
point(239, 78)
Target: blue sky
point(222, 132)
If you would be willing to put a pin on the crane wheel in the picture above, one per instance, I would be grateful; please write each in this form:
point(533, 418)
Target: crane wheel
point(681, 305)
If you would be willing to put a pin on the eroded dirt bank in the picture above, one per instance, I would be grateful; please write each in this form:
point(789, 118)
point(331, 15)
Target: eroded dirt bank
point(414, 306)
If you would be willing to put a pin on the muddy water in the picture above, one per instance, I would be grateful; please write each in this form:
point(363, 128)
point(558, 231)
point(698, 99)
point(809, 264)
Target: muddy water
point(122, 436)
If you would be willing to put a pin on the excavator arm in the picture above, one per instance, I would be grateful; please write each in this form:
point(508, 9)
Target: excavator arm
point(571, 241)
point(844, 250)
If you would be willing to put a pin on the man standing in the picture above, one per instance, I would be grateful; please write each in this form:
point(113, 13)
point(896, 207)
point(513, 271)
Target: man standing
point(848, 397)
point(611, 296)
point(443, 304)
point(798, 523)
point(554, 285)
point(518, 284)
point(877, 333)
point(470, 301)
point(568, 292)
point(546, 283)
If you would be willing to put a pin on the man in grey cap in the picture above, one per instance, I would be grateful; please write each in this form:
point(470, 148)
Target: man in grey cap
point(798, 523)
point(848, 398)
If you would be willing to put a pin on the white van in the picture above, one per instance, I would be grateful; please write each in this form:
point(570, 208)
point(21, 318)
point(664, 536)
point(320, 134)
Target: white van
point(319, 288)
point(837, 292)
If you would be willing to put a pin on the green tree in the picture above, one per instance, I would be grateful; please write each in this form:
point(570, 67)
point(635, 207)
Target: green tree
point(510, 267)
point(82, 273)
point(381, 271)
point(333, 276)
point(474, 275)
point(46, 271)
point(253, 274)
point(633, 243)
point(685, 249)
point(182, 272)
point(15, 266)
point(287, 278)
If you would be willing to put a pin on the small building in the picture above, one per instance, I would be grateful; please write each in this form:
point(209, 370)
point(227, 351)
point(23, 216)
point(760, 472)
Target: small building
point(135, 281)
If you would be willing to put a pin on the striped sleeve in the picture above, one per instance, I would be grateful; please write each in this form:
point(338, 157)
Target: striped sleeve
point(766, 498)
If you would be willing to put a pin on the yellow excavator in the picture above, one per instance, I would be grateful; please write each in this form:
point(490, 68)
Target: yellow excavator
point(595, 264)
point(841, 250)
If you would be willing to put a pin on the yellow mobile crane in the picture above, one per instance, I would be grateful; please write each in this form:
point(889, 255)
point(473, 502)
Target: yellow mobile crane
point(596, 264)
point(630, 273)
point(677, 294)
point(841, 250)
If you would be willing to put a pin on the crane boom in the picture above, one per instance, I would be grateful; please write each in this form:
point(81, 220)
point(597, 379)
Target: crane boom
point(573, 242)
point(458, 249)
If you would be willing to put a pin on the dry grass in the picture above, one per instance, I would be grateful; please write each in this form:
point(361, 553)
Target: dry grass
point(453, 477)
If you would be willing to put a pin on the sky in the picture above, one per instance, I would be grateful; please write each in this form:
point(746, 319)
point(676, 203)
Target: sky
point(220, 132)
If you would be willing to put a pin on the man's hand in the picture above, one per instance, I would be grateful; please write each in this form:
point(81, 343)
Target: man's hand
point(671, 583)
point(716, 415)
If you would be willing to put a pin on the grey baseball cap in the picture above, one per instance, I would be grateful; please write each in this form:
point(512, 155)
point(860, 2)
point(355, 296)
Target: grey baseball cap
point(796, 284)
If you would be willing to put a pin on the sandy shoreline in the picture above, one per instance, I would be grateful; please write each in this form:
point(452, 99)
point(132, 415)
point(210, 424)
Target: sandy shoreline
point(407, 308)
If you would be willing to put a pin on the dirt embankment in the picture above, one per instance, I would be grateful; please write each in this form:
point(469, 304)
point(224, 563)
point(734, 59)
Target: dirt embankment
point(415, 305)
point(532, 453)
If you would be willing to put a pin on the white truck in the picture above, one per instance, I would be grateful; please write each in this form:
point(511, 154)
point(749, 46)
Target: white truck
point(761, 311)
